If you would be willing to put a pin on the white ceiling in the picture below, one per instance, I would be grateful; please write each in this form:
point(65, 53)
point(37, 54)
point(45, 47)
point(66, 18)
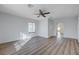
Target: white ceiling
point(57, 10)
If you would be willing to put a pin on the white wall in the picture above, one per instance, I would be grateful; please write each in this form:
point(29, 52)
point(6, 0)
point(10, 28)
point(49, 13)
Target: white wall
point(11, 26)
point(51, 27)
point(43, 28)
point(47, 27)
point(78, 29)
point(70, 26)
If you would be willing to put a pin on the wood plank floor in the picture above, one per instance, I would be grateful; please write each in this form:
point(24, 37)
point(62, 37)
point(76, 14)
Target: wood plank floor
point(42, 46)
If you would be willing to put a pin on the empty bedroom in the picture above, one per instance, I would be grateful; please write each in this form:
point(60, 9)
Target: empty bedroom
point(39, 29)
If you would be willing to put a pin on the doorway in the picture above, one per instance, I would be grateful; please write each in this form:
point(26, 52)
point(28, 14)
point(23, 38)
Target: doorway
point(60, 31)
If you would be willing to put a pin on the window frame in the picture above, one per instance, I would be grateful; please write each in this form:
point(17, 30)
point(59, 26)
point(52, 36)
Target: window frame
point(33, 26)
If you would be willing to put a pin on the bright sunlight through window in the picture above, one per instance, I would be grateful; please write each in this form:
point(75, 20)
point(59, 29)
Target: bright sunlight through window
point(31, 27)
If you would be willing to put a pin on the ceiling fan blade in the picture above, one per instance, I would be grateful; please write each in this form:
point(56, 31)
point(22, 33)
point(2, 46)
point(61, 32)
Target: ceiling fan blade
point(47, 13)
point(41, 12)
point(43, 15)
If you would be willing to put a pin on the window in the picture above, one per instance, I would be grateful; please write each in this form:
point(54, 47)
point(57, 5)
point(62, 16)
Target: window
point(31, 27)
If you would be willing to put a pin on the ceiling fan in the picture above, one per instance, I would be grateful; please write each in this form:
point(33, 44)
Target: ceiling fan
point(42, 13)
